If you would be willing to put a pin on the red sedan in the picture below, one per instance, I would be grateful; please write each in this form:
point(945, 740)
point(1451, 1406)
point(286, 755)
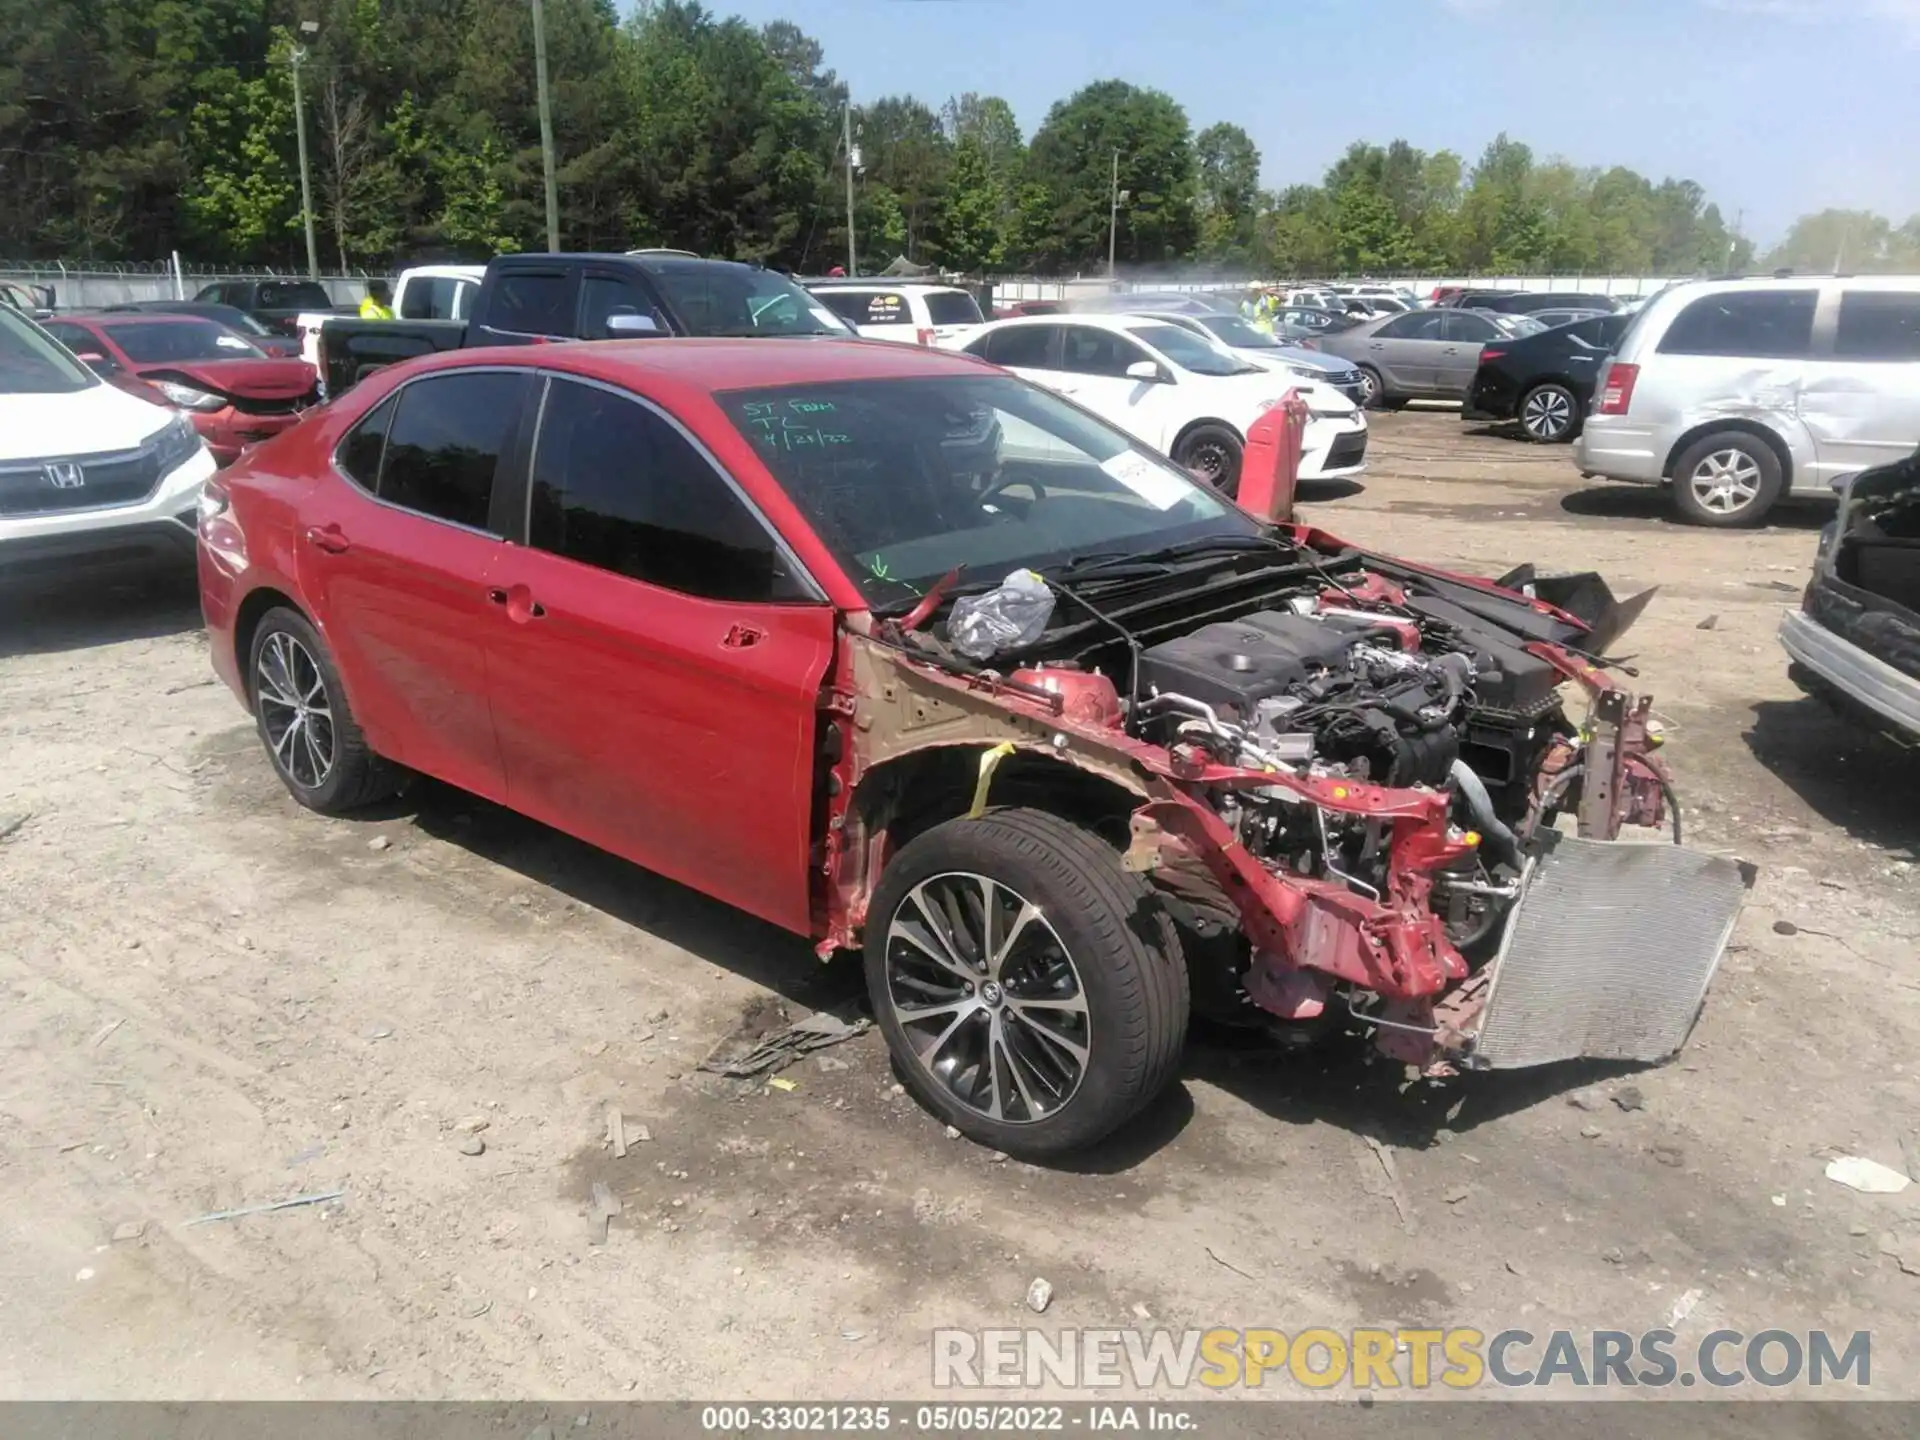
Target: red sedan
point(234, 392)
point(735, 610)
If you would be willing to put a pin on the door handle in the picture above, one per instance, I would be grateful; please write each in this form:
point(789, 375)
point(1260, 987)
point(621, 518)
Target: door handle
point(518, 603)
point(740, 637)
point(328, 538)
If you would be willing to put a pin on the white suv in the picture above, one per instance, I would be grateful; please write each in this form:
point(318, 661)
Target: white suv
point(913, 314)
point(1737, 392)
point(91, 478)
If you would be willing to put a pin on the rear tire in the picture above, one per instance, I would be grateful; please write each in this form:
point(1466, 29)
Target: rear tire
point(1211, 453)
point(1051, 991)
point(1728, 480)
point(300, 709)
point(1549, 414)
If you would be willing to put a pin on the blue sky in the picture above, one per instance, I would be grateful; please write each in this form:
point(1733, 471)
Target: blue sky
point(1776, 106)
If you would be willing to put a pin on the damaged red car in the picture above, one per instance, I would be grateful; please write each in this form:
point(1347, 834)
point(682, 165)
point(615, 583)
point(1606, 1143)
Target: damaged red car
point(902, 653)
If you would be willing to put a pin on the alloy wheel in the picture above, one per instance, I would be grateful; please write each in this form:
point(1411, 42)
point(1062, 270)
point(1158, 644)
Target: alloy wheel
point(1369, 389)
point(295, 711)
point(1725, 482)
point(987, 997)
point(1547, 414)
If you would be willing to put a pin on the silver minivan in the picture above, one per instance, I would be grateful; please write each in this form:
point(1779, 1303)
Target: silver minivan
point(1738, 392)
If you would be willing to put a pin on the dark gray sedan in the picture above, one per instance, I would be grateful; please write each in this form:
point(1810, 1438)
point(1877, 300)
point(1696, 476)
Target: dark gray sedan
point(1422, 355)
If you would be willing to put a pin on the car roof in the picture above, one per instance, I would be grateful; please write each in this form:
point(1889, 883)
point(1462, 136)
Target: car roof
point(870, 283)
point(139, 317)
point(1100, 319)
point(723, 364)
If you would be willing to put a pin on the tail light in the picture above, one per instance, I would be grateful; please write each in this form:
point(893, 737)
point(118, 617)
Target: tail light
point(1618, 394)
point(1492, 352)
point(923, 335)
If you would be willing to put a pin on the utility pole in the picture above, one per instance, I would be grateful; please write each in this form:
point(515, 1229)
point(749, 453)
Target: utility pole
point(1733, 240)
point(546, 126)
point(297, 57)
point(853, 159)
point(1113, 216)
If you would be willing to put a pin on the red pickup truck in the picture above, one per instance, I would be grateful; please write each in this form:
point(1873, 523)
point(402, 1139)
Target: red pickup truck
point(900, 652)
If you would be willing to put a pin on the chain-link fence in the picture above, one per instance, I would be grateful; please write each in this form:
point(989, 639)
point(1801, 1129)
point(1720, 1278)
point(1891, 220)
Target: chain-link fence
point(89, 284)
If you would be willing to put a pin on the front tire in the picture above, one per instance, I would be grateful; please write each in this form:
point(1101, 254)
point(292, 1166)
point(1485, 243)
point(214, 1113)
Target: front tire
point(1031, 990)
point(1549, 414)
point(1211, 453)
point(1373, 389)
point(300, 709)
point(1727, 480)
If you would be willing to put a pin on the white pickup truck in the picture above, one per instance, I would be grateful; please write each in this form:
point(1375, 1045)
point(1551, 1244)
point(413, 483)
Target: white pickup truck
point(424, 292)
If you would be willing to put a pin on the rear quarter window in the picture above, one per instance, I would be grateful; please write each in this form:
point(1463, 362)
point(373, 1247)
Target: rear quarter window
point(1878, 325)
point(1753, 324)
point(953, 307)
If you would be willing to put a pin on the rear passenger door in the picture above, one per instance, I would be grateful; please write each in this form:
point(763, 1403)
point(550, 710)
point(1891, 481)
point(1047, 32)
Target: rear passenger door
point(656, 656)
point(1736, 351)
point(395, 554)
point(1463, 335)
point(1862, 405)
point(527, 305)
point(1406, 352)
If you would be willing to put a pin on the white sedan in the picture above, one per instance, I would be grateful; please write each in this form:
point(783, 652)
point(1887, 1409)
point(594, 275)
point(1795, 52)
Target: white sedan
point(1178, 392)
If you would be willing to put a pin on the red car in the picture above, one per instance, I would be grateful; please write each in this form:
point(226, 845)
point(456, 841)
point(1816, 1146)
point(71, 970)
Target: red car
point(234, 392)
point(898, 651)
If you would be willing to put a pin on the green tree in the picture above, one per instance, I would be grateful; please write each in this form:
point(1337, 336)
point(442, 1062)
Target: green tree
point(1073, 154)
point(1834, 240)
point(1227, 196)
point(968, 226)
point(905, 150)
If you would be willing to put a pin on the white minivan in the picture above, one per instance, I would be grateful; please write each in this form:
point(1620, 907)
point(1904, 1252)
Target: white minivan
point(91, 478)
point(1738, 392)
point(913, 313)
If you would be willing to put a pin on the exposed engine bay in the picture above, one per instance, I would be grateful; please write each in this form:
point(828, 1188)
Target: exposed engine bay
point(1369, 786)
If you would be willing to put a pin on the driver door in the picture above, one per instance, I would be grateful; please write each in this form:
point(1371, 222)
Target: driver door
point(1093, 366)
point(655, 656)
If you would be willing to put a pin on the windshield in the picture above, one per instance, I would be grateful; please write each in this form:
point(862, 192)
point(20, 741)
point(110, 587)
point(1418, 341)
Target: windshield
point(1190, 352)
point(1234, 331)
point(154, 342)
point(239, 320)
point(294, 295)
point(723, 299)
point(31, 363)
point(1517, 326)
point(906, 479)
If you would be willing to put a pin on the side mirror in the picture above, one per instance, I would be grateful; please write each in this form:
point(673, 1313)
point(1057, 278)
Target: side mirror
point(96, 362)
point(631, 325)
point(1145, 370)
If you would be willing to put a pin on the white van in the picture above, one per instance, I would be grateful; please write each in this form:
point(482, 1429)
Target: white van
point(911, 313)
point(1737, 392)
point(91, 478)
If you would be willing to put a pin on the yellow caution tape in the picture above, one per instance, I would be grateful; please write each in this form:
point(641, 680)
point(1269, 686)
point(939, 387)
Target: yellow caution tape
point(989, 762)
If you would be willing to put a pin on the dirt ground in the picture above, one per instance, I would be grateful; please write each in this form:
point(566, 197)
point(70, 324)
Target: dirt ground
point(211, 999)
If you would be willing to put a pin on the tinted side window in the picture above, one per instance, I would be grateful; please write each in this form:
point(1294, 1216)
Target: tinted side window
point(1758, 324)
point(1028, 347)
point(532, 303)
point(75, 337)
point(952, 307)
point(1098, 352)
point(1878, 325)
point(359, 454)
point(1467, 328)
point(1416, 325)
point(445, 442)
point(851, 308)
point(604, 296)
point(618, 487)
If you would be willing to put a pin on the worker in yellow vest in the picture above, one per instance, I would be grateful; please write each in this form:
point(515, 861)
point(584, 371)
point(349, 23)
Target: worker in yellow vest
point(378, 302)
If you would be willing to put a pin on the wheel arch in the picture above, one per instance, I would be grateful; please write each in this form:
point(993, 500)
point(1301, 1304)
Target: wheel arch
point(246, 621)
point(1192, 425)
point(1770, 438)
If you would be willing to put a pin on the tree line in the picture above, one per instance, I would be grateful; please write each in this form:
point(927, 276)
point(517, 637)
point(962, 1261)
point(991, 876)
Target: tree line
point(130, 128)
